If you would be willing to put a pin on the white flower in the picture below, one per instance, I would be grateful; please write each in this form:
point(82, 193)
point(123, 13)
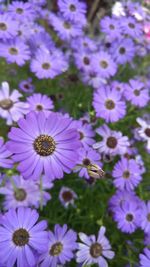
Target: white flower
point(144, 131)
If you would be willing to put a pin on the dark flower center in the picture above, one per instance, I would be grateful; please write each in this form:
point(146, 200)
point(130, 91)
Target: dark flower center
point(26, 86)
point(6, 104)
point(109, 104)
point(131, 25)
point(148, 217)
point(67, 25)
point(129, 217)
point(44, 145)
point(81, 135)
point(86, 162)
point(3, 26)
point(96, 250)
point(67, 196)
point(39, 107)
point(137, 92)
point(19, 10)
point(111, 142)
point(20, 194)
point(147, 132)
point(111, 26)
point(20, 237)
point(72, 8)
point(13, 51)
point(56, 249)
point(86, 60)
point(126, 174)
point(122, 50)
point(46, 66)
point(104, 64)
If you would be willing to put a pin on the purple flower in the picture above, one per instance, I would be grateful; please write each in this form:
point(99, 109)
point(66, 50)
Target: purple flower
point(41, 40)
point(94, 250)
point(136, 92)
point(39, 102)
point(21, 11)
point(84, 42)
point(65, 29)
point(46, 65)
point(113, 142)
point(44, 145)
point(110, 27)
point(145, 258)
point(73, 10)
point(83, 60)
point(104, 65)
point(145, 217)
point(21, 193)
point(26, 86)
point(8, 27)
point(127, 216)
point(61, 245)
point(86, 133)
point(123, 51)
point(131, 27)
point(15, 51)
point(5, 155)
point(11, 108)
point(126, 174)
point(122, 196)
point(67, 196)
point(21, 237)
point(108, 104)
point(87, 157)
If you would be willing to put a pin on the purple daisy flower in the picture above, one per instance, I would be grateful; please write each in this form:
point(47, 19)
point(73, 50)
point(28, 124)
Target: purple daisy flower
point(85, 131)
point(73, 10)
point(11, 108)
point(118, 86)
point(8, 27)
point(145, 258)
point(104, 65)
point(110, 27)
point(87, 157)
point(123, 51)
point(145, 217)
point(21, 237)
point(20, 193)
point(84, 42)
point(126, 174)
point(46, 65)
point(83, 60)
point(67, 196)
point(127, 216)
point(65, 29)
point(94, 250)
point(136, 92)
point(26, 86)
point(131, 27)
point(15, 51)
point(39, 102)
point(5, 155)
point(122, 196)
point(41, 40)
point(21, 11)
point(44, 145)
point(108, 104)
point(113, 143)
point(61, 245)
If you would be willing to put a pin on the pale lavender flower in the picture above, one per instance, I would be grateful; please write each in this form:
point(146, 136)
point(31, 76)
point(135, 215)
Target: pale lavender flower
point(11, 108)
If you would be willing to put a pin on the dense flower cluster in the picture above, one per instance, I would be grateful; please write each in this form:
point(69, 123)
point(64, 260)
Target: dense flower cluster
point(42, 143)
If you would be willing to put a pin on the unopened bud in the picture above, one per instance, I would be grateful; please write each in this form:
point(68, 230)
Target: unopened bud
point(95, 171)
